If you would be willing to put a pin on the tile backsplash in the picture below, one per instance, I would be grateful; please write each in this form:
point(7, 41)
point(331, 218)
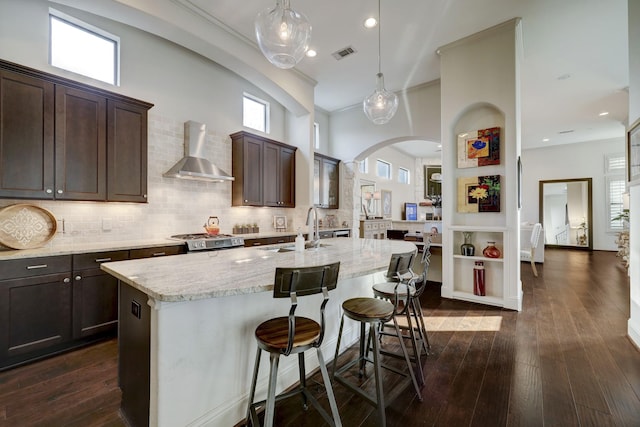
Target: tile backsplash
point(175, 206)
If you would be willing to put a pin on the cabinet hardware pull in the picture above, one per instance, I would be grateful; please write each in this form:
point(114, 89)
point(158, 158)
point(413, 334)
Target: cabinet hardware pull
point(66, 280)
point(48, 191)
point(34, 267)
point(78, 277)
point(60, 191)
point(103, 259)
point(257, 244)
point(159, 254)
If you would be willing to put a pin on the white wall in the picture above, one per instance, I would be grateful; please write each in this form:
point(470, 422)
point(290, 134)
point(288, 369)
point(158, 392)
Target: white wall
point(634, 114)
point(183, 86)
point(584, 160)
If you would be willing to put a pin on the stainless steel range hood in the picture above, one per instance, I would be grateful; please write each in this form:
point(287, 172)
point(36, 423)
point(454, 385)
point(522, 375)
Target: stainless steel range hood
point(193, 165)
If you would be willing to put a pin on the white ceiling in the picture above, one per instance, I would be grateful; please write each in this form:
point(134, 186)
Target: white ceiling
point(574, 66)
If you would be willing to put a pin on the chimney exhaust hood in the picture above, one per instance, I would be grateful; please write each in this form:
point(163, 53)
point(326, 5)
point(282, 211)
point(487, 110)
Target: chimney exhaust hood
point(193, 165)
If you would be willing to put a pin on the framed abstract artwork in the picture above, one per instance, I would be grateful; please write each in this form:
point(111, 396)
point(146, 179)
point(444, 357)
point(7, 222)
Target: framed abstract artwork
point(479, 148)
point(479, 194)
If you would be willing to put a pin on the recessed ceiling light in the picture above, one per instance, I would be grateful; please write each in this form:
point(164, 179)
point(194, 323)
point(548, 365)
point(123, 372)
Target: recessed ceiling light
point(311, 53)
point(604, 113)
point(564, 76)
point(370, 22)
point(545, 139)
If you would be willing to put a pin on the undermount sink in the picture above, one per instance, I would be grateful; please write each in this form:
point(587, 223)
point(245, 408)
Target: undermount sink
point(292, 248)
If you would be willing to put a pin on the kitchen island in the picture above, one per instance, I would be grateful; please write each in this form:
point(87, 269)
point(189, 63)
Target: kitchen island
point(186, 325)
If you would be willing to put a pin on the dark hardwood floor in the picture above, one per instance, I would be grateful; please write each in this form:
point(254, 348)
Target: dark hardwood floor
point(565, 360)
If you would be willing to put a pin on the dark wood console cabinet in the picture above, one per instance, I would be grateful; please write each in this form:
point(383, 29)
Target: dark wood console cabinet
point(264, 172)
point(64, 140)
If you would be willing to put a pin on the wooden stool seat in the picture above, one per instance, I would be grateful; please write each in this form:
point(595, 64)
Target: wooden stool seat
point(367, 309)
point(273, 335)
point(388, 290)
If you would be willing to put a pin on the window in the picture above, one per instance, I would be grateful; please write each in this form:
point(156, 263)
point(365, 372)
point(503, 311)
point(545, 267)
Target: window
point(615, 188)
point(255, 113)
point(383, 169)
point(316, 135)
point(363, 166)
point(403, 176)
point(82, 48)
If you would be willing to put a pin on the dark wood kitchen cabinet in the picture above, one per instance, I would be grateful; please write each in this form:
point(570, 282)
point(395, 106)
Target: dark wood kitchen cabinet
point(35, 308)
point(326, 182)
point(264, 171)
point(64, 140)
point(80, 145)
point(95, 294)
point(27, 136)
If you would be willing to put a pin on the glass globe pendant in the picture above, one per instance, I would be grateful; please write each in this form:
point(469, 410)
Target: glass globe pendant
point(283, 34)
point(381, 105)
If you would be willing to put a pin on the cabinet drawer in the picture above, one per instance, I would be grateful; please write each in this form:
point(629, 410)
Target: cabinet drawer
point(29, 267)
point(94, 259)
point(158, 251)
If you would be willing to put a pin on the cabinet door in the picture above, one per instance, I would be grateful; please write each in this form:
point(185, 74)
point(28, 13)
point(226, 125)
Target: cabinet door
point(81, 150)
point(35, 314)
point(248, 171)
point(127, 152)
point(330, 181)
point(317, 166)
point(287, 177)
point(95, 303)
point(271, 181)
point(27, 139)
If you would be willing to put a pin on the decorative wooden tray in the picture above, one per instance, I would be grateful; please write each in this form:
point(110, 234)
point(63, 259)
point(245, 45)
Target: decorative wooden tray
point(24, 226)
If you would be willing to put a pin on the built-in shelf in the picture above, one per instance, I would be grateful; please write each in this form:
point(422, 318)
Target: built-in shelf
point(466, 296)
point(479, 258)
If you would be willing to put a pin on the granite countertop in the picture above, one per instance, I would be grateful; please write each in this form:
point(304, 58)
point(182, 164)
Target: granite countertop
point(239, 271)
point(80, 248)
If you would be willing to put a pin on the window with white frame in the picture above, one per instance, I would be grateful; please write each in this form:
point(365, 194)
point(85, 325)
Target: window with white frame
point(83, 49)
point(255, 113)
point(316, 135)
point(383, 169)
point(363, 166)
point(403, 176)
point(615, 187)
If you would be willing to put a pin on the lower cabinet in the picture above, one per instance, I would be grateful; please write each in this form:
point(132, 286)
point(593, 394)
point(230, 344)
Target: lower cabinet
point(95, 294)
point(53, 304)
point(35, 308)
point(374, 228)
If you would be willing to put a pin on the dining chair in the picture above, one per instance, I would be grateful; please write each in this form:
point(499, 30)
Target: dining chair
point(529, 254)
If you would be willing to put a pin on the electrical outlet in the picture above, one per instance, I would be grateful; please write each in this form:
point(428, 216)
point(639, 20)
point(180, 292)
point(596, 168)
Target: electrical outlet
point(136, 309)
point(106, 224)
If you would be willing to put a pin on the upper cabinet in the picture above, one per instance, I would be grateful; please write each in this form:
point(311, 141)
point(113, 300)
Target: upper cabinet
point(64, 140)
point(264, 172)
point(326, 181)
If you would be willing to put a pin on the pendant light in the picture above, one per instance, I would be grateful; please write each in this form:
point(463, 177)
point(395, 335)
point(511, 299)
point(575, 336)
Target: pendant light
point(381, 105)
point(283, 34)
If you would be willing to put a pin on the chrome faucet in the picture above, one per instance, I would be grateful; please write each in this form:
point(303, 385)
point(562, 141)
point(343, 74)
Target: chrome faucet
point(316, 233)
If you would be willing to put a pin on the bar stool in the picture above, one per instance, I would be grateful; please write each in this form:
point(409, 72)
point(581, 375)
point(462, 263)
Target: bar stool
point(294, 335)
point(404, 289)
point(375, 312)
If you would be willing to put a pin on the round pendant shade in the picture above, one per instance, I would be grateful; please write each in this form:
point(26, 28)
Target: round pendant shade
point(381, 105)
point(283, 34)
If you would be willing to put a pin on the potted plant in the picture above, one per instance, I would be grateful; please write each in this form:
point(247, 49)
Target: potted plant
point(623, 216)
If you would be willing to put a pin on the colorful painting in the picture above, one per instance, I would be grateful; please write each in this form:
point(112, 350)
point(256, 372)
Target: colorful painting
point(479, 148)
point(479, 194)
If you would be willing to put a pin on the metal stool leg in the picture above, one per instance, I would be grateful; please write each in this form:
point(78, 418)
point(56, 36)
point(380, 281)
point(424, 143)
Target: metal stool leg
point(252, 393)
point(335, 357)
point(378, 375)
point(329, 389)
point(303, 379)
point(271, 395)
point(406, 359)
point(423, 329)
point(417, 349)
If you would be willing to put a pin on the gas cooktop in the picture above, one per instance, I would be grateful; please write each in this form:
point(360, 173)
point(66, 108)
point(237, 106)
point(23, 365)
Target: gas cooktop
point(204, 241)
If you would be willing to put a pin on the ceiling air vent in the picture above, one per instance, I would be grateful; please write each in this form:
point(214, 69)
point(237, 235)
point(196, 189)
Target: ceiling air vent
point(565, 131)
point(343, 52)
